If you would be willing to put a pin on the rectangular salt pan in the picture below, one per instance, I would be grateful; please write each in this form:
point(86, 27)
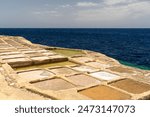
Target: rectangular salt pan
point(104, 93)
point(97, 65)
point(35, 74)
point(84, 68)
point(63, 71)
point(131, 86)
point(83, 80)
point(104, 75)
point(82, 59)
point(54, 84)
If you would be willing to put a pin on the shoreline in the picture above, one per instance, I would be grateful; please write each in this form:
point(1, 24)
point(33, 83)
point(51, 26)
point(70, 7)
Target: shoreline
point(141, 67)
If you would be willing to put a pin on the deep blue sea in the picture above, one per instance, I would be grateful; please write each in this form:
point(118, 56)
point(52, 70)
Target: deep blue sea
point(129, 46)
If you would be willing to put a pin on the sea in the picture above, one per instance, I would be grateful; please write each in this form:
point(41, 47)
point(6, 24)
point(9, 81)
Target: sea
point(130, 46)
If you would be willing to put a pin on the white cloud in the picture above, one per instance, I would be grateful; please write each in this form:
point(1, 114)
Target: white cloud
point(86, 4)
point(36, 12)
point(47, 5)
point(105, 14)
point(113, 2)
point(115, 14)
point(139, 9)
point(47, 13)
point(109, 13)
point(66, 6)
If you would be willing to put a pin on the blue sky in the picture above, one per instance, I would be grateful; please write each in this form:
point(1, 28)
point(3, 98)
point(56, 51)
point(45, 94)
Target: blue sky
point(74, 13)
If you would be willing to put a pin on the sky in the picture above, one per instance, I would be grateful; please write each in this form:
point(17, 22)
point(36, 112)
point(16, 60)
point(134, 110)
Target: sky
point(74, 13)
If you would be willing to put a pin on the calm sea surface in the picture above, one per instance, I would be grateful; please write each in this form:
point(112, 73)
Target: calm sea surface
point(129, 46)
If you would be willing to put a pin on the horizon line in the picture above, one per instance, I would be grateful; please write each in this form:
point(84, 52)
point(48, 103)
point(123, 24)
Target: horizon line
point(77, 28)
